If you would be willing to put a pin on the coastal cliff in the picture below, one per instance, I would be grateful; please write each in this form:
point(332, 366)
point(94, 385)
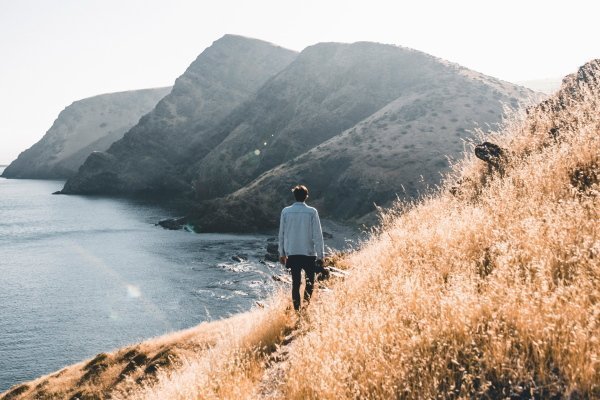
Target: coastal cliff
point(149, 158)
point(249, 119)
point(85, 126)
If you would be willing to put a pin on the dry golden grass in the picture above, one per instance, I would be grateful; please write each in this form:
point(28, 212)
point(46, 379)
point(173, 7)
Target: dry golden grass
point(489, 288)
point(231, 368)
point(490, 292)
point(120, 373)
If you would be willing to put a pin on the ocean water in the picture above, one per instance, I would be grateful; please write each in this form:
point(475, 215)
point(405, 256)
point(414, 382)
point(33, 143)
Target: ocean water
point(81, 275)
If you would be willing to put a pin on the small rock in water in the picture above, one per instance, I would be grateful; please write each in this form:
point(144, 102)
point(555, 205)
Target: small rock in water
point(327, 235)
point(271, 257)
point(172, 223)
point(57, 192)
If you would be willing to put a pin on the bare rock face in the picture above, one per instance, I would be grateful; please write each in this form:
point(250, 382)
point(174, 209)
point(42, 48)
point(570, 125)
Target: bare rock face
point(574, 87)
point(149, 158)
point(87, 125)
point(105, 162)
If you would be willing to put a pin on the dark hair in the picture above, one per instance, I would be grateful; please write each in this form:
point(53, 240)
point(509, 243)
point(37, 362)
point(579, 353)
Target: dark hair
point(300, 192)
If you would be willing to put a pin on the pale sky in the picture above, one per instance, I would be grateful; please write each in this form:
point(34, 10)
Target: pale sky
point(54, 52)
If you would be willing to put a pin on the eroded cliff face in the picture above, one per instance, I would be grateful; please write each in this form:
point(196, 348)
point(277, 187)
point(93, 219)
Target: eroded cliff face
point(150, 156)
point(87, 125)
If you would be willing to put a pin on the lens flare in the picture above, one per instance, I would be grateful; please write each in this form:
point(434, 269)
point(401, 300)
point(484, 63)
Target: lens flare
point(133, 291)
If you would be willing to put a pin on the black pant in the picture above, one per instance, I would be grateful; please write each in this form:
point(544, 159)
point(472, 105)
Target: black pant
point(297, 264)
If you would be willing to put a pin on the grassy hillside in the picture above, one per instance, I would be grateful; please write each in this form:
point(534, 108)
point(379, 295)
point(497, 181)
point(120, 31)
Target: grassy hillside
point(489, 288)
point(126, 370)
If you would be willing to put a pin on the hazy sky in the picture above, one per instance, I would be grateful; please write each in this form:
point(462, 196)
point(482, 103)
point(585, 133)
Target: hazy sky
point(54, 52)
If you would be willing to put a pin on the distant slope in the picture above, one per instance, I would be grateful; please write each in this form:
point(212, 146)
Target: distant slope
point(87, 125)
point(548, 86)
point(397, 151)
point(146, 159)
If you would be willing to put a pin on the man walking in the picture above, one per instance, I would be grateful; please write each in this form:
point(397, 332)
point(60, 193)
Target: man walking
point(300, 243)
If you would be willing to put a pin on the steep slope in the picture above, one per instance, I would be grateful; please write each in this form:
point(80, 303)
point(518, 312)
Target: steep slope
point(329, 88)
point(489, 291)
point(397, 151)
point(87, 125)
point(126, 368)
point(145, 160)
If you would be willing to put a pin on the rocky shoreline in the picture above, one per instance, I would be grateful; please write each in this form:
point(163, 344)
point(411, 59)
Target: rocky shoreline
point(337, 236)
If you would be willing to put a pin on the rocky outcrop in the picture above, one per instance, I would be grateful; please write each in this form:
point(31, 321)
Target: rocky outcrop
point(574, 88)
point(87, 125)
point(150, 157)
point(172, 223)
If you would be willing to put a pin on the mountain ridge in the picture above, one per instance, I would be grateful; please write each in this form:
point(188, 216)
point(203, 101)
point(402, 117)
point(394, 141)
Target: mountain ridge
point(218, 131)
point(326, 89)
point(144, 161)
point(458, 101)
point(266, 129)
point(86, 125)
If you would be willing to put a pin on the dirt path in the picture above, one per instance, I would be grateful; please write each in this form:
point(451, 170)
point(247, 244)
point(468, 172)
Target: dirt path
point(277, 363)
point(276, 367)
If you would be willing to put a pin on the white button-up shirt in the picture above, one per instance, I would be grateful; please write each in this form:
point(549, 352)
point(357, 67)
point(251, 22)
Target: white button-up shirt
point(300, 231)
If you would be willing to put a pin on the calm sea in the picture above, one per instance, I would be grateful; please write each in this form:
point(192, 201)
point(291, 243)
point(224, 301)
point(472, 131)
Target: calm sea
point(81, 275)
